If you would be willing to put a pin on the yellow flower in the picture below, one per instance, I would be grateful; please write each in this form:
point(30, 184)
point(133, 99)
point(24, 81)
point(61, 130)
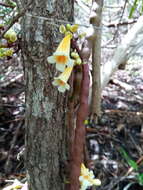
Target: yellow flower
point(62, 55)
point(78, 61)
point(86, 122)
point(87, 179)
point(61, 81)
point(16, 185)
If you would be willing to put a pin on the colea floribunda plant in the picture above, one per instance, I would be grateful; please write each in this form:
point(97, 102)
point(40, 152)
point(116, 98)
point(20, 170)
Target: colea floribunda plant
point(69, 62)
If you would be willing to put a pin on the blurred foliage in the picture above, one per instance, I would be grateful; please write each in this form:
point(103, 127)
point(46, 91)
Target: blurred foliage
point(7, 10)
point(134, 165)
point(8, 44)
point(136, 6)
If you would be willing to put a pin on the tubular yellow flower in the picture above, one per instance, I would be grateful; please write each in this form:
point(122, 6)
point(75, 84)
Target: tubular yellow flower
point(61, 81)
point(87, 178)
point(62, 55)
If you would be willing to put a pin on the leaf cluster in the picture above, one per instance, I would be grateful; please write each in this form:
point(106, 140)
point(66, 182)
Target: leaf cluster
point(7, 41)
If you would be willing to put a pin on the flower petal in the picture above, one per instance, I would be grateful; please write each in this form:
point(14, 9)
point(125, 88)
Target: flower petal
point(55, 82)
point(70, 63)
point(97, 182)
point(62, 89)
point(64, 45)
point(51, 59)
point(67, 86)
point(85, 184)
point(60, 67)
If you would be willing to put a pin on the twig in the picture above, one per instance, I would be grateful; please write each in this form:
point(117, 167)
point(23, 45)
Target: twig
point(123, 10)
point(135, 144)
point(114, 183)
point(8, 162)
point(115, 24)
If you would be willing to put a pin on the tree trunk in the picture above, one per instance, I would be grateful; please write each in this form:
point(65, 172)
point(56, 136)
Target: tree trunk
point(46, 134)
point(95, 19)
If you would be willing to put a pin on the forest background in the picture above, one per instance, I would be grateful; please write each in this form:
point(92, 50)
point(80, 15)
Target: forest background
point(118, 109)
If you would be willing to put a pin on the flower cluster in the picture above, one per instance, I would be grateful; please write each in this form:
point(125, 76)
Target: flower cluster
point(65, 58)
point(61, 57)
point(5, 52)
point(87, 179)
point(9, 38)
point(63, 63)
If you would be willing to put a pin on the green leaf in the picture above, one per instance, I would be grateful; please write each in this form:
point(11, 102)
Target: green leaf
point(133, 164)
point(142, 7)
point(133, 8)
point(124, 154)
point(140, 178)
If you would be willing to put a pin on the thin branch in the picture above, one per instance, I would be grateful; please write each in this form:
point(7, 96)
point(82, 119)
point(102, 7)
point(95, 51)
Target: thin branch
point(117, 26)
point(123, 10)
point(114, 24)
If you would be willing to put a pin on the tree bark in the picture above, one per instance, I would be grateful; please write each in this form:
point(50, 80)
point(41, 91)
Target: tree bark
point(46, 132)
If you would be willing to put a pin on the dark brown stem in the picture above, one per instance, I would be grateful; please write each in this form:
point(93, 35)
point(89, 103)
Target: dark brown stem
point(71, 117)
point(79, 140)
point(75, 46)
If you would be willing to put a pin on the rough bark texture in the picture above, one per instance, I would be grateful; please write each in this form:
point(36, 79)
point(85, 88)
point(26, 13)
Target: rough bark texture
point(46, 151)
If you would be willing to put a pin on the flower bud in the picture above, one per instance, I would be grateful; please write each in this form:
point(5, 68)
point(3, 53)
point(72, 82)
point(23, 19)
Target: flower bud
point(82, 35)
point(68, 27)
point(74, 28)
point(62, 29)
point(10, 35)
point(68, 33)
point(78, 61)
point(74, 55)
